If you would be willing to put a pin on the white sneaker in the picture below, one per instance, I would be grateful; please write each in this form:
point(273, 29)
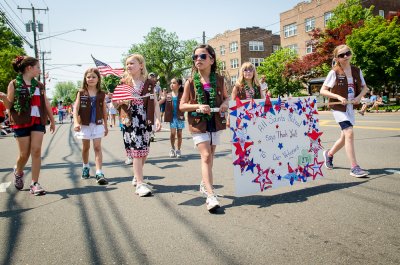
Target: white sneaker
point(178, 153)
point(172, 153)
point(134, 181)
point(203, 189)
point(143, 190)
point(212, 202)
point(128, 161)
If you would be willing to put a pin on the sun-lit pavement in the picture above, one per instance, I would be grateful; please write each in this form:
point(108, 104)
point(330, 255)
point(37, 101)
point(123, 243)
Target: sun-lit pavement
point(336, 220)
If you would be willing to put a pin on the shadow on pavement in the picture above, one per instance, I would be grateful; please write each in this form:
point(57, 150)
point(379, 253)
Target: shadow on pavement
point(289, 197)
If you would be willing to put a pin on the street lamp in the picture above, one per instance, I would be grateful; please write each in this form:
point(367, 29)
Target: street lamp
point(62, 33)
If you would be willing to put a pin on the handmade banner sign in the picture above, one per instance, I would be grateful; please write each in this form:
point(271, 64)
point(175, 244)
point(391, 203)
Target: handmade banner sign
point(275, 143)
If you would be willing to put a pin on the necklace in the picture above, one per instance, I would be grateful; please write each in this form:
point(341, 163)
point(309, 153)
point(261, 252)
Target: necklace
point(200, 94)
point(19, 83)
point(255, 94)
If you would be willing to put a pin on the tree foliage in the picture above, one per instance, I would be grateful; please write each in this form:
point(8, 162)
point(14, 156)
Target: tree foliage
point(65, 92)
point(110, 82)
point(165, 54)
point(10, 47)
point(349, 11)
point(376, 49)
point(273, 67)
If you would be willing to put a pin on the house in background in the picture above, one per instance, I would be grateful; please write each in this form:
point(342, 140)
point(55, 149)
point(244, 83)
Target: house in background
point(234, 47)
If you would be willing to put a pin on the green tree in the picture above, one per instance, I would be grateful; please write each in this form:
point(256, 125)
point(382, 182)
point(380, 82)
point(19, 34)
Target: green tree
point(165, 54)
point(273, 67)
point(349, 11)
point(110, 82)
point(10, 47)
point(377, 52)
point(65, 92)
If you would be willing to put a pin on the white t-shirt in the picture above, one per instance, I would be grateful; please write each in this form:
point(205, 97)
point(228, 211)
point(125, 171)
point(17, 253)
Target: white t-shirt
point(340, 116)
point(264, 86)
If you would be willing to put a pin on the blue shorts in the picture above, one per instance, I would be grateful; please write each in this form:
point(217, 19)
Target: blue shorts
point(345, 124)
point(177, 124)
point(162, 107)
point(24, 132)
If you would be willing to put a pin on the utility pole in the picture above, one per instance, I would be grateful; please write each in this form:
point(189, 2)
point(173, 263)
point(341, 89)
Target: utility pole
point(35, 46)
point(43, 69)
point(204, 37)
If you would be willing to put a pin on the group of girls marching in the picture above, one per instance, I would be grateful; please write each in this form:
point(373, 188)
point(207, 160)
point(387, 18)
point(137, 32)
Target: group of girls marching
point(203, 92)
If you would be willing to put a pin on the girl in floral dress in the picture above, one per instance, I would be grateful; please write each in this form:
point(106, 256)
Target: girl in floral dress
point(29, 111)
point(144, 112)
point(205, 90)
point(247, 86)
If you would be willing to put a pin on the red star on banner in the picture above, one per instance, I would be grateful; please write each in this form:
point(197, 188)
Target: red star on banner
point(241, 151)
point(316, 168)
point(263, 179)
point(314, 135)
point(267, 104)
point(239, 104)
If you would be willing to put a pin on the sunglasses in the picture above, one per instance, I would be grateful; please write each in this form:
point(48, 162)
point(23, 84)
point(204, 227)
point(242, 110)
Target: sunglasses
point(248, 70)
point(202, 56)
point(348, 53)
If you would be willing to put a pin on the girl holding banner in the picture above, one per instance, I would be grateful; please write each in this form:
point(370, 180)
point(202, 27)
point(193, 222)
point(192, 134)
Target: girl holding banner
point(205, 92)
point(344, 86)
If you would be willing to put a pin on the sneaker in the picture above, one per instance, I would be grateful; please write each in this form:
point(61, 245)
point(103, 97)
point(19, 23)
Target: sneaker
point(361, 113)
point(101, 180)
point(36, 189)
point(328, 160)
point(178, 154)
point(18, 180)
point(203, 189)
point(358, 172)
point(212, 202)
point(129, 161)
point(134, 182)
point(143, 189)
point(151, 138)
point(85, 173)
point(172, 153)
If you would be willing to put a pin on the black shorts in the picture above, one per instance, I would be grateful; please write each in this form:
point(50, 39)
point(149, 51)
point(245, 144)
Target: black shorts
point(23, 132)
point(345, 124)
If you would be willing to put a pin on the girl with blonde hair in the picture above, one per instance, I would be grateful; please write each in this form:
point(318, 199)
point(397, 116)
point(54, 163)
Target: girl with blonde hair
point(247, 86)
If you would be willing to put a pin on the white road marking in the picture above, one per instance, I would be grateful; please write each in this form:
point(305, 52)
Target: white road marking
point(392, 171)
point(4, 186)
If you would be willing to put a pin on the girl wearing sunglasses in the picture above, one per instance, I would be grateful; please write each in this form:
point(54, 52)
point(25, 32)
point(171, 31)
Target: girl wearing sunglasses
point(247, 86)
point(344, 86)
point(204, 91)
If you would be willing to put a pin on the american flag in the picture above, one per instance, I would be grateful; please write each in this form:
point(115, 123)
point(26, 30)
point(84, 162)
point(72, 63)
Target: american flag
point(105, 69)
point(123, 92)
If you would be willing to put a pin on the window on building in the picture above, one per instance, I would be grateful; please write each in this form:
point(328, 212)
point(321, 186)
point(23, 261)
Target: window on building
point(223, 65)
point(222, 49)
point(293, 47)
point(234, 63)
point(275, 48)
point(327, 16)
point(233, 79)
point(233, 46)
point(290, 30)
point(256, 61)
point(309, 47)
point(256, 46)
point(310, 24)
point(382, 13)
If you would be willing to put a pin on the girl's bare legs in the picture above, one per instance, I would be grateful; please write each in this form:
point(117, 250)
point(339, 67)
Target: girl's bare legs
point(138, 164)
point(36, 152)
point(349, 146)
point(337, 145)
point(206, 154)
point(24, 146)
point(98, 154)
point(172, 137)
point(179, 139)
point(85, 151)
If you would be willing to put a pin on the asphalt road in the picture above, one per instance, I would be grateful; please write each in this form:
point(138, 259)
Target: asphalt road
point(336, 220)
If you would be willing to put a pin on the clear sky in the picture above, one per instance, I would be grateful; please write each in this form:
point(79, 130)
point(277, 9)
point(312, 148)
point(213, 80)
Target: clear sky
point(113, 26)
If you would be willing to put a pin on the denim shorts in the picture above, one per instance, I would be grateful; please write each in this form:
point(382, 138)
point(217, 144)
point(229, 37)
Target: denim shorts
point(345, 124)
point(24, 132)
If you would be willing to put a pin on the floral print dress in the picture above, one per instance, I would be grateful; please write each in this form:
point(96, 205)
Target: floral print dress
point(137, 135)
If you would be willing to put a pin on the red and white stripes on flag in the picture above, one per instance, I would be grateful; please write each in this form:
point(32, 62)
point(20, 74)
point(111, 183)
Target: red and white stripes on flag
point(105, 69)
point(123, 92)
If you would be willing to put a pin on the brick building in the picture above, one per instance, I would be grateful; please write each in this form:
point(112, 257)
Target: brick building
point(297, 23)
point(243, 45)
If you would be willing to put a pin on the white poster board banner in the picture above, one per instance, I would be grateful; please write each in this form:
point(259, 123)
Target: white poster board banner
point(275, 143)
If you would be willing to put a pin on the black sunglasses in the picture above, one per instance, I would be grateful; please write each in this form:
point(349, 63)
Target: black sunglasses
point(202, 56)
point(348, 53)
